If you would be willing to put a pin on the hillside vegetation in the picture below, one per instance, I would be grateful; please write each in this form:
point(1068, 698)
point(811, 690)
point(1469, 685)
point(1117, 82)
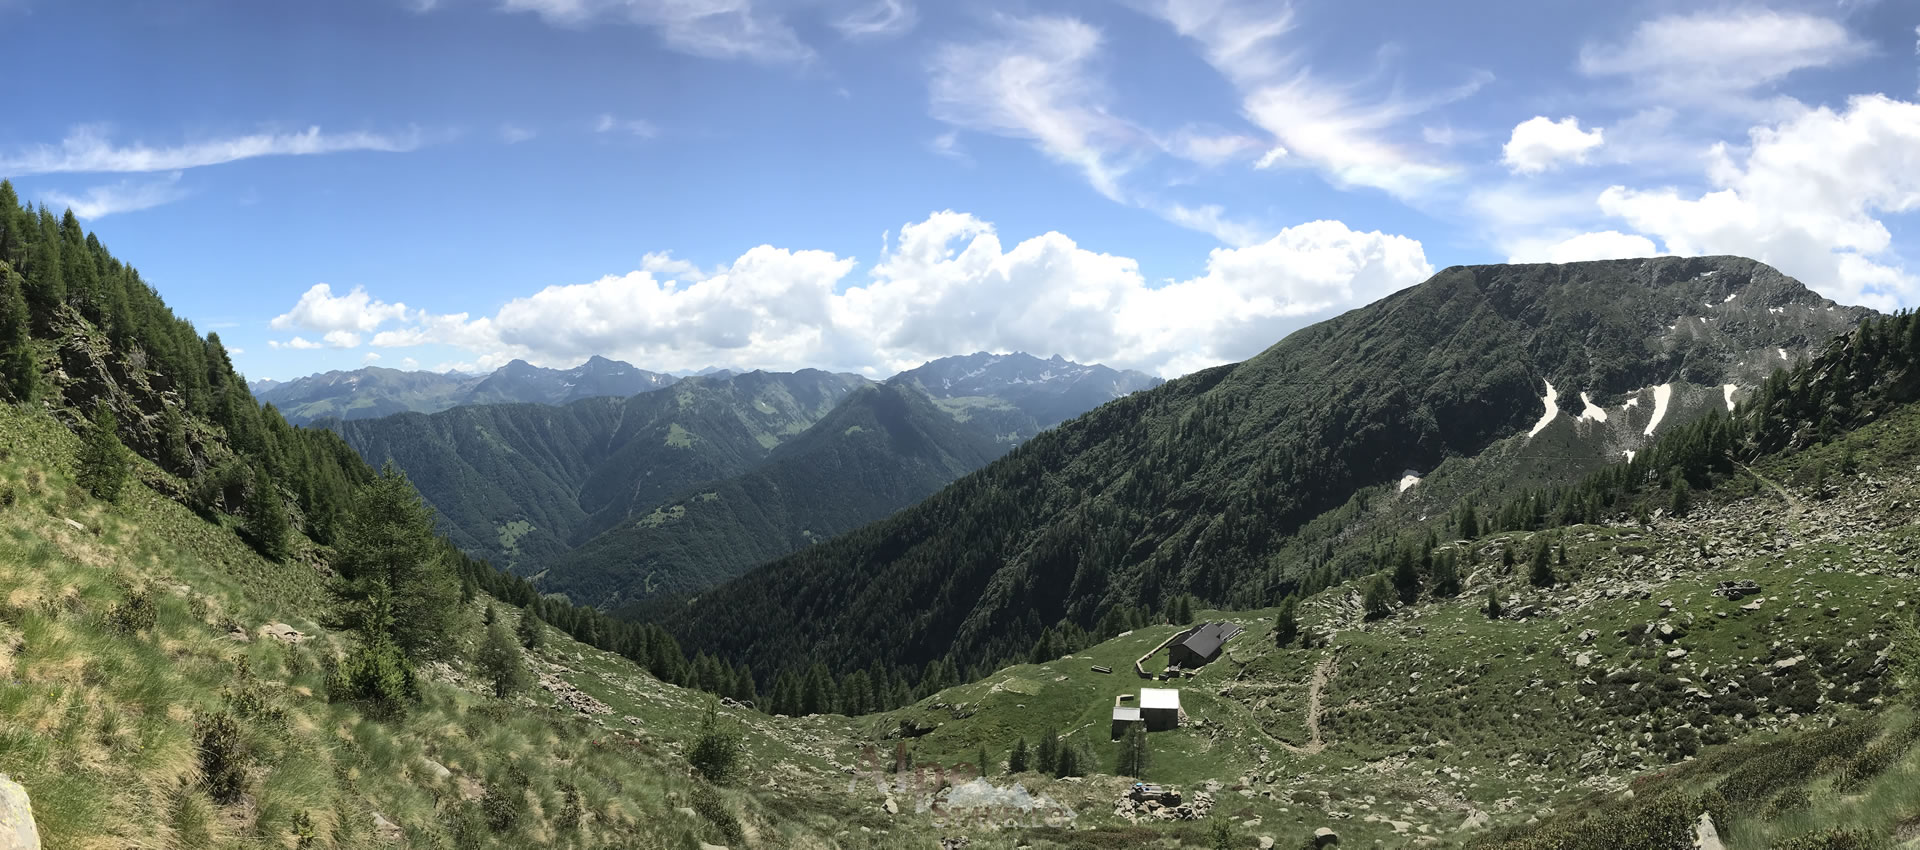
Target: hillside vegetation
point(1198, 486)
point(882, 449)
point(521, 485)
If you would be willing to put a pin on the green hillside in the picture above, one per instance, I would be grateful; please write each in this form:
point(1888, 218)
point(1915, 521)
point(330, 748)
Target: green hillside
point(1610, 708)
point(1200, 485)
point(520, 485)
point(885, 447)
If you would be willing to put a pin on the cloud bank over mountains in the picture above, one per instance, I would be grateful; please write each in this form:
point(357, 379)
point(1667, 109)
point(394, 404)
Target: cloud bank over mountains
point(946, 285)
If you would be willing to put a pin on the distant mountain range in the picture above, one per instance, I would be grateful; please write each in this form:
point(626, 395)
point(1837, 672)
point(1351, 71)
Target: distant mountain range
point(373, 392)
point(613, 500)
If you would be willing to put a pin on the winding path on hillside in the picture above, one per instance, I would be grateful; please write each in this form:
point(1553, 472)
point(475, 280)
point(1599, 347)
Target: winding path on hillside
point(1794, 505)
point(1322, 674)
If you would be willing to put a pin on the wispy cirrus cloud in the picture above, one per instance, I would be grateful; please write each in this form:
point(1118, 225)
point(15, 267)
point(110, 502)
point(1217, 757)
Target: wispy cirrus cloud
point(1036, 79)
point(1714, 58)
point(718, 29)
point(124, 196)
point(880, 19)
point(638, 127)
point(87, 149)
point(1348, 133)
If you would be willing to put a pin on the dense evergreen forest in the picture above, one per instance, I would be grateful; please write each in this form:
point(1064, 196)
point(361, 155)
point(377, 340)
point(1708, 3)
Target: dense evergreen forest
point(67, 304)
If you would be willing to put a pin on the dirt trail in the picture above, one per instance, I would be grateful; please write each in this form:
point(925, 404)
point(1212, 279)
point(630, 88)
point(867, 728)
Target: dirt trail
point(1794, 504)
point(1322, 674)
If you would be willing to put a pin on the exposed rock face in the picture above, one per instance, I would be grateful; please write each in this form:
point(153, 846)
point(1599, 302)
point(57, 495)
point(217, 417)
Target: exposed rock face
point(284, 633)
point(572, 697)
point(386, 830)
point(17, 830)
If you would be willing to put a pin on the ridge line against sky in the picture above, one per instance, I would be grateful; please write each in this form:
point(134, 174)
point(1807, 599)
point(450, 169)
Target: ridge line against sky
point(1151, 184)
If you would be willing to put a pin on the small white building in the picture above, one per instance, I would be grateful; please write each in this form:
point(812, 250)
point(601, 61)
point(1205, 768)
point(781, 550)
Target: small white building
point(1160, 708)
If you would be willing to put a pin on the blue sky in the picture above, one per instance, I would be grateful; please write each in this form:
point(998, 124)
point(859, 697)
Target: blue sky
point(867, 184)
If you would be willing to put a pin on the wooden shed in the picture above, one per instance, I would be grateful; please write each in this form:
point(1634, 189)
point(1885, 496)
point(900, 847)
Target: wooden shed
point(1124, 716)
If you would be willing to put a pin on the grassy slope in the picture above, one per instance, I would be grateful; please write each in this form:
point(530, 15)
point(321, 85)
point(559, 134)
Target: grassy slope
point(98, 725)
point(1439, 712)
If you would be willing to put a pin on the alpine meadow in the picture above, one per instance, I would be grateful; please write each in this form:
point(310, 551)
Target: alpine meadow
point(1260, 424)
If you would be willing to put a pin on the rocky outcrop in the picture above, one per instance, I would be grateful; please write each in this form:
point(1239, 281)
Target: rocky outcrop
point(572, 697)
point(17, 829)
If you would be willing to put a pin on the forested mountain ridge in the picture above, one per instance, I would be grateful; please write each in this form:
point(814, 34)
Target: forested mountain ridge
point(883, 448)
point(1047, 392)
point(375, 391)
point(1192, 486)
point(83, 334)
point(520, 484)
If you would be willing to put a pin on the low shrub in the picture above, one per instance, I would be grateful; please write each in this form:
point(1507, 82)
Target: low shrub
point(223, 757)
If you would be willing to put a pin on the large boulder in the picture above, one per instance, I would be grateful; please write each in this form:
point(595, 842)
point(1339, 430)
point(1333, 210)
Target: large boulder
point(17, 830)
point(1705, 837)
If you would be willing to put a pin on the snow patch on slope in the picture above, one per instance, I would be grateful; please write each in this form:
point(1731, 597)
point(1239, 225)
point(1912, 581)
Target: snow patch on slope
point(1661, 395)
point(1593, 411)
point(1728, 391)
point(1408, 480)
point(1552, 402)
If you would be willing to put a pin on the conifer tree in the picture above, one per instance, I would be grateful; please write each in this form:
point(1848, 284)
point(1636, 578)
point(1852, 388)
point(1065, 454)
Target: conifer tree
point(983, 762)
point(1541, 575)
point(1406, 578)
point(1446, 576)
point(1046, 756)
point(531, 631)
point(103, 461)
point(266, 519)
point(388, 548)
point(1286, 623)
point(19, 377)
point(1134, 753)
point(499, 659)
point(1017, 760)
point(1067, 758)
point(1682, 499)
point(1378, 601)
point(715, 754)
point(1494, 610)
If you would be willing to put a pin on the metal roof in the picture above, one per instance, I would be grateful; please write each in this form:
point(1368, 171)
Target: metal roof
point(1205, 639)
point(1160, 698)
point(1126, 712)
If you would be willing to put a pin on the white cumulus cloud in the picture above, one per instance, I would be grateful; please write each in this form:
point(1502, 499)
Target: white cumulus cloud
point(1539, 144)
point(1807, 195)
point(1598, 245)
point(339, 317)
point(946, 285)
